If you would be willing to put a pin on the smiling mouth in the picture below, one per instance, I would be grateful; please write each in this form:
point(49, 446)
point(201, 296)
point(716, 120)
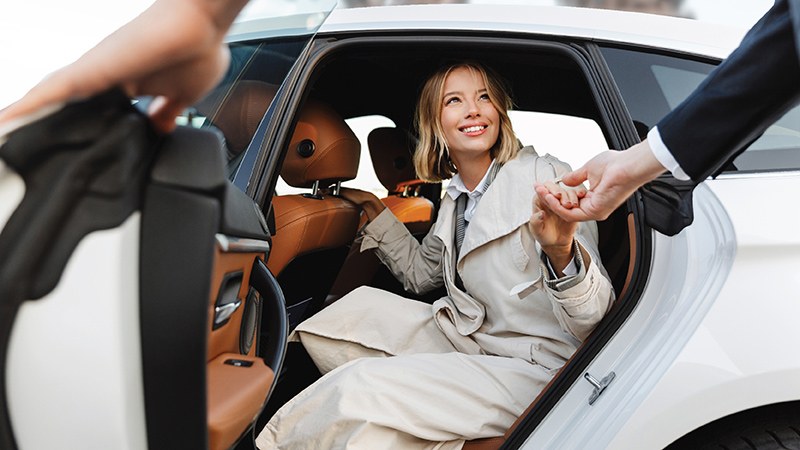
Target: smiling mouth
point(473, 129)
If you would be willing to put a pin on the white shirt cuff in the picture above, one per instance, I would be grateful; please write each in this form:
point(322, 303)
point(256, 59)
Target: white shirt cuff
point(568, 271)
point(663, 155)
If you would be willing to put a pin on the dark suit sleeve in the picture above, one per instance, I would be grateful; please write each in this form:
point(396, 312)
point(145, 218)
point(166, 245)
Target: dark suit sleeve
point(756, 85)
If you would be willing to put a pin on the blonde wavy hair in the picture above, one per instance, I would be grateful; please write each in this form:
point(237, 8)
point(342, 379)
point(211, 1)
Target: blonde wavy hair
point(431, 158)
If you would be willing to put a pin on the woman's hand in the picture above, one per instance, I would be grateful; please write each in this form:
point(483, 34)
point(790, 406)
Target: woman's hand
point(173, 51)
point(367, 201)
point(554, 234)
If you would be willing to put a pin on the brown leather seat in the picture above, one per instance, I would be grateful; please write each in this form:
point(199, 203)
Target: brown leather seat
point(391, 150)
point(313, 231)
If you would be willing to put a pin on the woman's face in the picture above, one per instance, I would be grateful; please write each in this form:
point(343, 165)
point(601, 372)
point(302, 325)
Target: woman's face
point(470, 121)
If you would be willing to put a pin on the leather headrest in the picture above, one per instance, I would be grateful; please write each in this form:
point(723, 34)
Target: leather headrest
point(391, 150)
point(323, 148)
point(241, 111)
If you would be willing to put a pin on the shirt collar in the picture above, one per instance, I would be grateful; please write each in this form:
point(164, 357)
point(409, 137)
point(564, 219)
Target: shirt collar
point(456, 185)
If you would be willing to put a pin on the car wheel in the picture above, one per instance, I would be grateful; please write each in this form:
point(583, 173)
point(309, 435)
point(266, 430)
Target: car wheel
point(765, 428)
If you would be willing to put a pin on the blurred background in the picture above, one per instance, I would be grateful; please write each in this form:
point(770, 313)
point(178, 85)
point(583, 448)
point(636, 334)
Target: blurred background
point(39, 36)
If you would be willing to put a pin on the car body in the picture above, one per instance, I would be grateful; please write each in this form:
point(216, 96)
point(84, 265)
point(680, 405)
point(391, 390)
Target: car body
point(119, 353)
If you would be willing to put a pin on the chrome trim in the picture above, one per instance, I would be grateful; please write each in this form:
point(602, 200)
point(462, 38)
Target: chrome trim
point(223, 313)
point(241, 245)
point(599, 386)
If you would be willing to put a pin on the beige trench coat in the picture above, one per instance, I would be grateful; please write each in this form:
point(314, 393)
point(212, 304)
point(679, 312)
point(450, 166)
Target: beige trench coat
point(464, 367)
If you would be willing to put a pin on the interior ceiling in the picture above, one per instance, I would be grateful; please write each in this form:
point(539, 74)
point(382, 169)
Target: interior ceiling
point(386, 80)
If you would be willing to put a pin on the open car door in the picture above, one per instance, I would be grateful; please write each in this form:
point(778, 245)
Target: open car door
point(135, 307)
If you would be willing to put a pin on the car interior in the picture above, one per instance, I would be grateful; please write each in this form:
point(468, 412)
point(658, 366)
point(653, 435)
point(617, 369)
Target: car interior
point(314, 252)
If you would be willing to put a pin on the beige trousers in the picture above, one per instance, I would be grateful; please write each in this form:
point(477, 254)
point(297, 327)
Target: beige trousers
point(393, 381)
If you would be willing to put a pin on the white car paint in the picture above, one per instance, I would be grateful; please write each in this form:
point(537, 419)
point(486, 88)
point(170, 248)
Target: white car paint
point(681, 35)
point(673, 304)
point(80, 346)
point(744, 353)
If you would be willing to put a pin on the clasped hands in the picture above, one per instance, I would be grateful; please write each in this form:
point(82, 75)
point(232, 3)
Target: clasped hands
point(554, 233)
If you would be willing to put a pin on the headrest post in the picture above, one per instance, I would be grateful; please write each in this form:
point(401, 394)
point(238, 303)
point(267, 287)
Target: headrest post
point(337, 188)
point(315, 189)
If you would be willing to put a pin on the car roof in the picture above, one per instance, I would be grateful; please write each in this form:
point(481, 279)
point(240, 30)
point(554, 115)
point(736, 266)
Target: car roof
point(677, 34)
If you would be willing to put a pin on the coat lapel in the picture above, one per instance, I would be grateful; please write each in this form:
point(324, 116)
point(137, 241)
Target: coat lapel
point(507, 203)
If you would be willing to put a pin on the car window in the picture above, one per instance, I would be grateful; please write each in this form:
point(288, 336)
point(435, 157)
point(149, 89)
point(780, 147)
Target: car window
point(652, 85)
point(265, 42)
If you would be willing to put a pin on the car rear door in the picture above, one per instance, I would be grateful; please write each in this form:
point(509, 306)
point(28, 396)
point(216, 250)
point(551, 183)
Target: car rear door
point(136, 309)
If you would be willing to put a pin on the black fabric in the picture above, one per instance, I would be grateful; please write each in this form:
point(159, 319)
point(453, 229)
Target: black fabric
point(83, 167)
point(461, 229)
point(749, 91)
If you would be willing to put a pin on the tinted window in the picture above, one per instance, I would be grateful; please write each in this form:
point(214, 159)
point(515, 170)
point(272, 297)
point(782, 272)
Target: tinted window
point(652, 85)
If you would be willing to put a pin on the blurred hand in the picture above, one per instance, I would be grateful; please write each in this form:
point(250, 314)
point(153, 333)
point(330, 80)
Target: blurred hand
point(173, 51)
point(613, 177)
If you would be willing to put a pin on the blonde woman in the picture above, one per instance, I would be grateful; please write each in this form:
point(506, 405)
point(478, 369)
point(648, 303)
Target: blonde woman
point(524, 289)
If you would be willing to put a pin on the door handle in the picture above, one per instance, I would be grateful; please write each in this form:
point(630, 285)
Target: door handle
point(223, 312)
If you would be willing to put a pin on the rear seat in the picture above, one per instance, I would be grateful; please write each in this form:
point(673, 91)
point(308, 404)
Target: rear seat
point(390, 150)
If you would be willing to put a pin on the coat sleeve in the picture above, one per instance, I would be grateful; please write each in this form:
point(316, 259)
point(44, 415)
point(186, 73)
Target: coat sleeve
point(417, 266)
point(589, 295)
point(756, 85)
point(580, 307)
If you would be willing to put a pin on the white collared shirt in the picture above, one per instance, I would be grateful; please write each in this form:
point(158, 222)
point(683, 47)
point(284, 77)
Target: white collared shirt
point(456, 187)
point(663, 155)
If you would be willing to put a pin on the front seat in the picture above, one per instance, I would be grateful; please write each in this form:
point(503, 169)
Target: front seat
point(313, 231)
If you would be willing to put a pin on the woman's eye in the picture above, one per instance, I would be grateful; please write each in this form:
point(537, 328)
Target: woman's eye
point(484, 97)
point(452, 100)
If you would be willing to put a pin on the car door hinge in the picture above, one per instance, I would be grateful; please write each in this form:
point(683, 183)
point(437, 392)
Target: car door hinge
point(599, 386)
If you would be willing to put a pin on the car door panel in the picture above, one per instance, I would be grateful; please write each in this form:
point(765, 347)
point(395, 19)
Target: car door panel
point(139, 230)
point(82, 169)
point(201, 238)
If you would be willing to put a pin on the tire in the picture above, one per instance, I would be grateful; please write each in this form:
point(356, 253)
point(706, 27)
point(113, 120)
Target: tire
point(772, 427)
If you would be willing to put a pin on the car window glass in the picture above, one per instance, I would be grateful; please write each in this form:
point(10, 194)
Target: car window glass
point(266, 40)
point(366, 179)
point(652, 85)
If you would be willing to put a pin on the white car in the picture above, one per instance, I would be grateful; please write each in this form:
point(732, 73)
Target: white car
point(148, 284)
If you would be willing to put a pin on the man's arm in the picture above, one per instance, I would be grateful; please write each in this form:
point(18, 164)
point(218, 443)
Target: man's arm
point(753, 88)
point(174, 50)
point(749, 91)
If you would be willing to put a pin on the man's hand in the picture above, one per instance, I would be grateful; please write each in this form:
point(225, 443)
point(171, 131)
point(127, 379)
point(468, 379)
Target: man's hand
point(173, 51)
point(613, 177)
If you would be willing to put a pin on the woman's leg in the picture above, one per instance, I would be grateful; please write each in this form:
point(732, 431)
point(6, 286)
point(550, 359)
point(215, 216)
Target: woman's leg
point(414, 401)
point(369, 322)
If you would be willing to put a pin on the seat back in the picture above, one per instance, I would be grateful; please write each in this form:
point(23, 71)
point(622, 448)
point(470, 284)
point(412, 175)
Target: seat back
point(313, 231)
point(390, 150)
